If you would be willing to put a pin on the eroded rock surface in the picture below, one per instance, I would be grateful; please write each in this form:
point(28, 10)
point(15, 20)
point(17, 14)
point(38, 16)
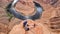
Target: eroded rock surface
point(28, 7)
point(4, 19)
point(33, 28)
point(49, 22)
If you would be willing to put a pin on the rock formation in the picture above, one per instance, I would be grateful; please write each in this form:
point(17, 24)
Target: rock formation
point(49, 23)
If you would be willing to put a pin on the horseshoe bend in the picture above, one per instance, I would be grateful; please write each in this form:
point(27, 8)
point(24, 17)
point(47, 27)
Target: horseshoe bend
point(29, 16)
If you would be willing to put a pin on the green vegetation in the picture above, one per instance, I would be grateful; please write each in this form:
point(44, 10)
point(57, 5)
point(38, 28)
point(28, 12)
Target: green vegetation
point(9, 15)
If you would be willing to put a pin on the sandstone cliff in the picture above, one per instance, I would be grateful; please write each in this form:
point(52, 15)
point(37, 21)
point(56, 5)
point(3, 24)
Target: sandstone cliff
point(49, 22)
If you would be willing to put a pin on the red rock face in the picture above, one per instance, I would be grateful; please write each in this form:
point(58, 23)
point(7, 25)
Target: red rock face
point(49, 22)
point(28, 7)
point(32, 29)
point(4, 19)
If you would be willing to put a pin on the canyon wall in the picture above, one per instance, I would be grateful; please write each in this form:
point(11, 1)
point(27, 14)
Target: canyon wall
point(49, 21)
